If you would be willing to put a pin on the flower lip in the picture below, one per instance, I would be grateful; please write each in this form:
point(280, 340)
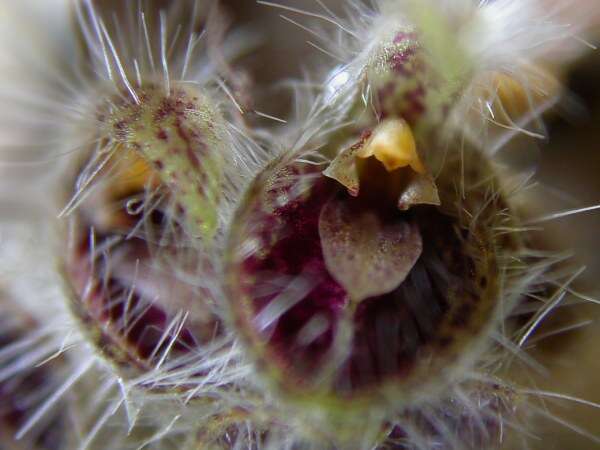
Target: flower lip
point(367, 252)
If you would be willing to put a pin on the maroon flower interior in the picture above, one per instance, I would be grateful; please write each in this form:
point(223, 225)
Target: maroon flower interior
point(122, 315)
point(110, 301)
point(390, 331)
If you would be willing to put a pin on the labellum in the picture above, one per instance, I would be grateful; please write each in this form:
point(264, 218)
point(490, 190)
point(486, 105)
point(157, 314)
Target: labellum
point(367, 249)
point(370, 284)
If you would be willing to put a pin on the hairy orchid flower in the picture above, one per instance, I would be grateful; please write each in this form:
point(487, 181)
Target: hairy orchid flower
point(312, 268)
point(371, 294)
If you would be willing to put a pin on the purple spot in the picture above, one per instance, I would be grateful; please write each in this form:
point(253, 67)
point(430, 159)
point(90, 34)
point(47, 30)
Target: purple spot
point(162, 135)
point(401, 62)
point(405, 36)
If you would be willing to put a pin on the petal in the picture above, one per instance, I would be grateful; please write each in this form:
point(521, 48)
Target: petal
point(343, 169)
point(420, 190)
point(393, 144)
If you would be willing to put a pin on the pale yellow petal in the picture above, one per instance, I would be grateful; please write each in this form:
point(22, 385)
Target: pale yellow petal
point(393, 144)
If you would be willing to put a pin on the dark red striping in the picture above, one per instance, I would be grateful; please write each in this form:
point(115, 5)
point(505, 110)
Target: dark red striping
point(192, 157)
point(165, 109)
point(144, 336)
point(297, 251)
